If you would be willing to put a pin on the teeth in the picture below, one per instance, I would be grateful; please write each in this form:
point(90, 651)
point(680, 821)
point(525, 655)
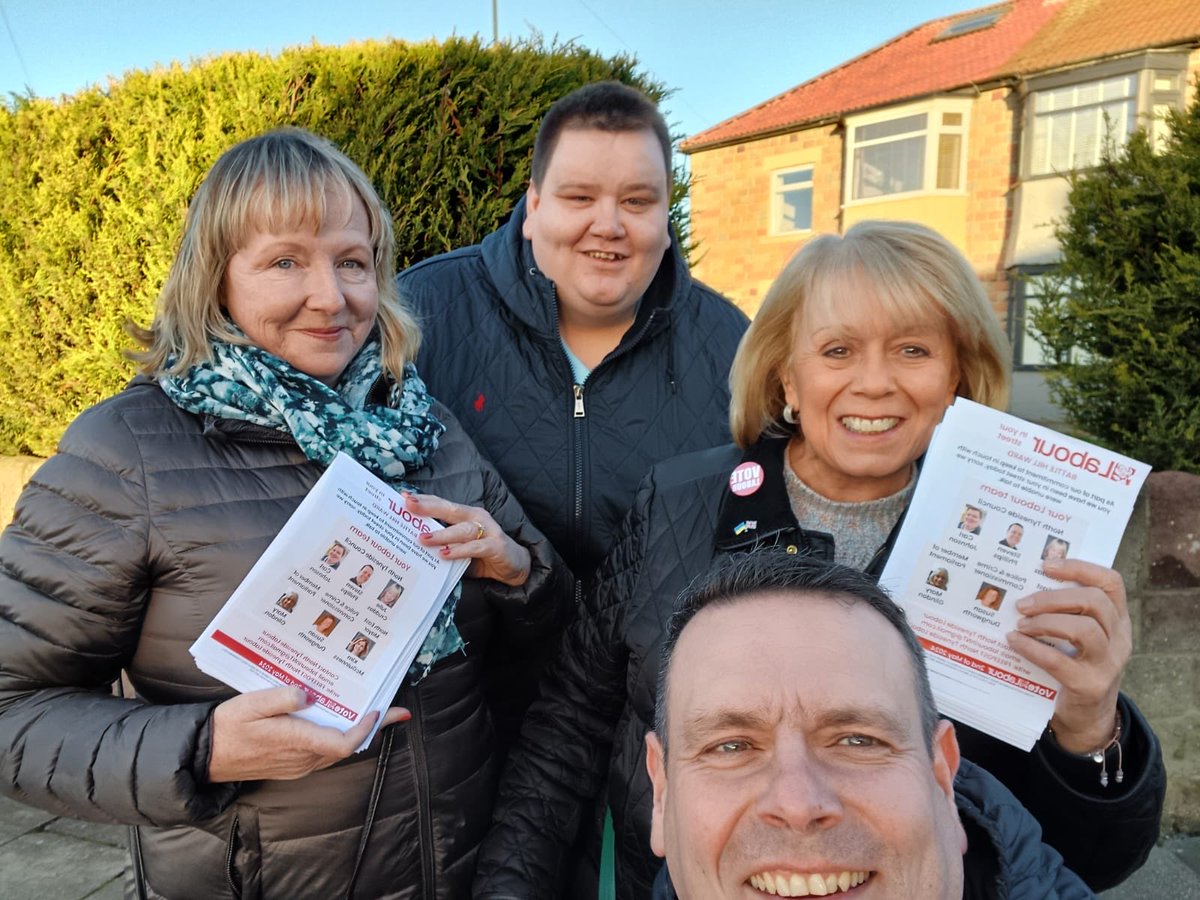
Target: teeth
point(778, 884)
point(600, 254)
point(869, 426)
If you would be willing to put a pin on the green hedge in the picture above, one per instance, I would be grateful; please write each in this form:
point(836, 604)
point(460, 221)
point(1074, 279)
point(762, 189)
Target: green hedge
point(1124, 306)
point(93, 188)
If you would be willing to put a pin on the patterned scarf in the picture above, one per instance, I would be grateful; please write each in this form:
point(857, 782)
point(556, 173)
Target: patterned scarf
point(249, 384)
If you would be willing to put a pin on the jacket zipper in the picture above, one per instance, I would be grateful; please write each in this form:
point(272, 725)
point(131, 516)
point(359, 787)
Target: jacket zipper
point(578, 423)
point(416, 738)
point(577, 427)
point(232, 877)
point(579, 420)
point(579, 417)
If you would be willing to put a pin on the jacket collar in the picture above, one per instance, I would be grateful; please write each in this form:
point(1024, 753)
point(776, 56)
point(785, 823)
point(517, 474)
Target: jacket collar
point(754, 505)
point(753, 517)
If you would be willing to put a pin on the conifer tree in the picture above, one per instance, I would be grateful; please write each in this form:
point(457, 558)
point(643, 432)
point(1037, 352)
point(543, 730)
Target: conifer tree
point(1123, 312)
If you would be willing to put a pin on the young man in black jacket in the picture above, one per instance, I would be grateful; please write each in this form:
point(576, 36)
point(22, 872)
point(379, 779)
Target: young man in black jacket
point(572, 343)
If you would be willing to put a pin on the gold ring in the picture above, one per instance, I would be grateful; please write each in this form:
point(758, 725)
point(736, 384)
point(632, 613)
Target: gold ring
point(480, 531)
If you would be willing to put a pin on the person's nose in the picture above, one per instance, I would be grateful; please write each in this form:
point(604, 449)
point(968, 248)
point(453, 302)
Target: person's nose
point(324, 285)
point(874, 375)
point(799, 792)
point(606, 219)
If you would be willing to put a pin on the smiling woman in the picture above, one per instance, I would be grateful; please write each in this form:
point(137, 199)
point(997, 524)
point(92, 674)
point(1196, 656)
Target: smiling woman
point(278, 342)
point(308, 296)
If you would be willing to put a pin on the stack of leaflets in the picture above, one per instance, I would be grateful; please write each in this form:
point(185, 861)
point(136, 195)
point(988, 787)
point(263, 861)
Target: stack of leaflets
point(998, 495)
point(339, 604)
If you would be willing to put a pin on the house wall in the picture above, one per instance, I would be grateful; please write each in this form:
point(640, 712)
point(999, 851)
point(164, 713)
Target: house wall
point(731, 208)
point(993, 164)
point(731, 203)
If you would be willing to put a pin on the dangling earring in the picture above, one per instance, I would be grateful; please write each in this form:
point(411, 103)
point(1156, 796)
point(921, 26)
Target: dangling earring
point(789, 415)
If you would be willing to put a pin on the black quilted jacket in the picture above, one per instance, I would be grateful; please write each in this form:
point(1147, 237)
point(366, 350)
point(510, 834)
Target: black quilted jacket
point(584, 734)
point(573, 458)
point(124, 546)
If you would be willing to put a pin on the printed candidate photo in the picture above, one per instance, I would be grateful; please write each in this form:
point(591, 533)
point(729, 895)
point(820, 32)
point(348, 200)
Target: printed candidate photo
point(325, 623)
point(971, 519)
point(1055, 548)
point(334, 555)
point(288, 601)
point(360, 645)
point(990, 596)
point(391, 593)
point(1013, 536)
point(938, 578)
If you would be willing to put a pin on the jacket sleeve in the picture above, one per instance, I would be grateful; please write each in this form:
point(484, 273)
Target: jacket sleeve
point(74, 579)
point(1103, 833)
point(542, 605)
point(1005, 845)
point(557, 770)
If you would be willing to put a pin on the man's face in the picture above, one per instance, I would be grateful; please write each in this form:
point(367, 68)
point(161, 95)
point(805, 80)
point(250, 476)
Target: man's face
point(1015, 533)
point(795, 762)
point(598, 222)
point(971, 518)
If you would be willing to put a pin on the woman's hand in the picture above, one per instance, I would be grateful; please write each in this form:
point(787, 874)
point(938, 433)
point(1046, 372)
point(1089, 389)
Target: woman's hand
point(471, 533)
point(254, 738)
point(1094, 619)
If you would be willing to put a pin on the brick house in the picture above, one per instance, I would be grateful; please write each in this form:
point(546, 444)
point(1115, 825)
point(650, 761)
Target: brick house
point(965, 123)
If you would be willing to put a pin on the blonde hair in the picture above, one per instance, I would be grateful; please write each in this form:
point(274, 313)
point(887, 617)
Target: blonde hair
point(913, 271)
point(276, 181)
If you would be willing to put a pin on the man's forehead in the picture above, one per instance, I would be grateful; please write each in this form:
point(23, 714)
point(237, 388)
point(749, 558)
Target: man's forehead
point(572, 138)
point(788, 653)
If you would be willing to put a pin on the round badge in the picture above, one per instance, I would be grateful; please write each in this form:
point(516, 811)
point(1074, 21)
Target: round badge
point(746, 479)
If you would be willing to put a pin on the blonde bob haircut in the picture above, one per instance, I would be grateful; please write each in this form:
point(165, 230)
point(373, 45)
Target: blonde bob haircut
point(274, 183)
point(915, 276)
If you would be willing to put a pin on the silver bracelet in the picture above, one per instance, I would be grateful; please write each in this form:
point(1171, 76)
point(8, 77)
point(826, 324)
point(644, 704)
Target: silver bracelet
point(1100, 754)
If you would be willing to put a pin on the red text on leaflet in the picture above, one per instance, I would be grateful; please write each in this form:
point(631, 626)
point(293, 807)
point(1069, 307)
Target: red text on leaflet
point(991, 671)
point(285, 677)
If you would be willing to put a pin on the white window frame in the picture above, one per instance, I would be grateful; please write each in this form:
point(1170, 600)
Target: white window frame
point(778, 189)
point(1160, 82)
point(932, 131)
point(1058, 114)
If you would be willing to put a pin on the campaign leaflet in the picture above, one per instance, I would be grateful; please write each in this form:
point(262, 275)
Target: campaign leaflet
point(996, 497)
point(338, 604)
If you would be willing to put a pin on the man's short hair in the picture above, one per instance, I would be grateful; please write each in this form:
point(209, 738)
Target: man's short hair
point(606, 106)
point(743, 576)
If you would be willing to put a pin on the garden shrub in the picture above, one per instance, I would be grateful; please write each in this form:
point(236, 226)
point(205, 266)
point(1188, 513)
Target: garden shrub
point(1124, 308)
point(94, 186)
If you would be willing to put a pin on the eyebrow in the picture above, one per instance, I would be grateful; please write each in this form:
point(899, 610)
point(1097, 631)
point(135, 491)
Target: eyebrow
point(705, 724)
point(590, 185)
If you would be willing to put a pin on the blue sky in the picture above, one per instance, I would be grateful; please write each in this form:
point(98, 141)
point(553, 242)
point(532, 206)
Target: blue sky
point(721, 56)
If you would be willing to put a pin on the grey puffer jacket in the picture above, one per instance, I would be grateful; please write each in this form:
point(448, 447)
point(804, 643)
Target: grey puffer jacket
point(124, 546)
